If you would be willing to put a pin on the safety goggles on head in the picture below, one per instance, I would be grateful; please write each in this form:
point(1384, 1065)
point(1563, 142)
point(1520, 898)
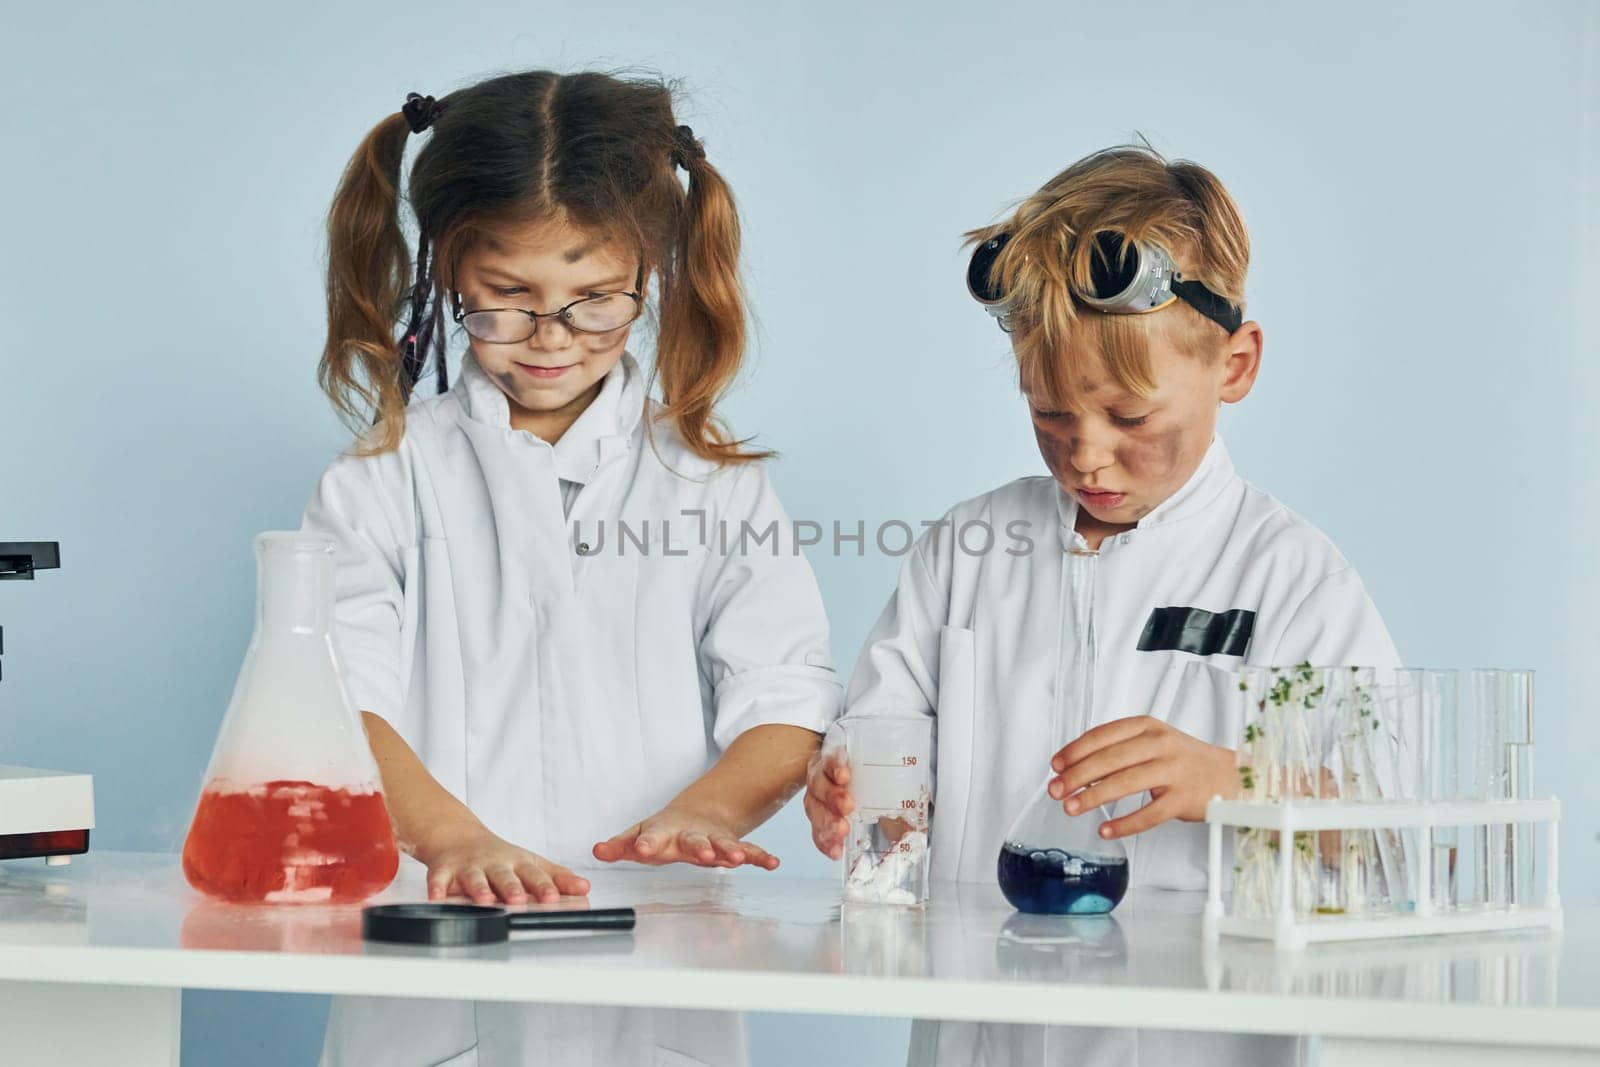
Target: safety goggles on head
point(1125, 277)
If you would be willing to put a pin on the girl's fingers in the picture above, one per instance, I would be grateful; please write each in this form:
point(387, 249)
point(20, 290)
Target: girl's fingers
point(696, 847)
point(1124, 783)
point(539, 883)
point(732, 852)
point(439, 879)
point(648, 845)
point(475, 884)
point(756, 856)
point(507, 884)
point(569, 884)
point(617, 848)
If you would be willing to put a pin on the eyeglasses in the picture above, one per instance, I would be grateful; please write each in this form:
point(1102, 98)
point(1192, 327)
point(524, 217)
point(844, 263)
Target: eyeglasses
point(596, 313)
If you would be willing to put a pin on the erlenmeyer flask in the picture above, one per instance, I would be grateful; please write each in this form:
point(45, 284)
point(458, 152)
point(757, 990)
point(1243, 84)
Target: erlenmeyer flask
point(291, 810)
point(1053, 863)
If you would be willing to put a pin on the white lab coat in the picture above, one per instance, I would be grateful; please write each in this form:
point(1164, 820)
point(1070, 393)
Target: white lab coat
point(553, 674)
point(971, 637)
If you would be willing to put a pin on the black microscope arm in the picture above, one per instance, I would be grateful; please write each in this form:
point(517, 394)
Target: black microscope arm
point(19, 559)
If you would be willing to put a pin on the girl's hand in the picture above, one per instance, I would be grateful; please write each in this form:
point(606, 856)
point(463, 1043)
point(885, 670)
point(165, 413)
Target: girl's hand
point(1128, 756)
point(679, 835)
point(468, 860)
point(828, 802)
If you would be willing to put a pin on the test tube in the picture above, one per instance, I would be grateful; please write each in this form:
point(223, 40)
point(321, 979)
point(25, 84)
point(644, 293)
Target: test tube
point(1378, 877)
point(1518, 712)
point(1298, 755)
point(1489, 691)
point(1407, 731)
point(1341, 885)
point(1442, 725)
point(1254, 860)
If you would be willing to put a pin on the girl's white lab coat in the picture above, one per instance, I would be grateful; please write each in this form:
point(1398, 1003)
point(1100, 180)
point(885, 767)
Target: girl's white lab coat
point(563, 675)
point(972, 637)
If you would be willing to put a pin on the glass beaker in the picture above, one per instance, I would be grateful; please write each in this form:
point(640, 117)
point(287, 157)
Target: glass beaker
point(1050, 862)
point(891, 781)
point(291, 810)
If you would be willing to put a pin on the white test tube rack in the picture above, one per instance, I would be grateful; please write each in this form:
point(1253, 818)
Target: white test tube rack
point(1291, 931)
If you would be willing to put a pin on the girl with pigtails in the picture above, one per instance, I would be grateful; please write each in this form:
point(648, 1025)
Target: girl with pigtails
point(565, 648)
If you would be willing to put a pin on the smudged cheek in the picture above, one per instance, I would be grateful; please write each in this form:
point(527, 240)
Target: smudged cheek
point(508, 382)
point(604, 345)
point(1057, 453)
point(1161, 462)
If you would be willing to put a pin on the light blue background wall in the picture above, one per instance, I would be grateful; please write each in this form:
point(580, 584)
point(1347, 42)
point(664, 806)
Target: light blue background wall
point(1420, 183)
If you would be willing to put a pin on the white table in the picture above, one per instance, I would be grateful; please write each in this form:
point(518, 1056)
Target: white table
point(93, 958)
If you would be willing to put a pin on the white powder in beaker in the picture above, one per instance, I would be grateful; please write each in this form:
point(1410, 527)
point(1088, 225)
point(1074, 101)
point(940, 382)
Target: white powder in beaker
point(886, 881)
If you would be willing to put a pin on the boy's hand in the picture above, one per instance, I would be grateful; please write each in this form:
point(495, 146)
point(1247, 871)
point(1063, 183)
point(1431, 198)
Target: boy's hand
point(828, 801)
point(1128, 756)
point(466, 859)
point(679, 835)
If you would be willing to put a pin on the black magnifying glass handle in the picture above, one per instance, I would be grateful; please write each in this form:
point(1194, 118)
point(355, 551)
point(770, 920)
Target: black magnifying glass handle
point(614, 919)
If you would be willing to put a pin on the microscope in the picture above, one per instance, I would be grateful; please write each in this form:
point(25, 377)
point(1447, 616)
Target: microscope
point(43, 814)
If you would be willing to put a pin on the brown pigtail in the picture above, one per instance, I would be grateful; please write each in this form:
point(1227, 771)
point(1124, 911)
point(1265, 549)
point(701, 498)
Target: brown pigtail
point(700, 347)
point(368, 274)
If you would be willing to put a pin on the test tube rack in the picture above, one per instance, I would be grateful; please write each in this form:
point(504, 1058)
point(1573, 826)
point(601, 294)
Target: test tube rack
point(1291, 931)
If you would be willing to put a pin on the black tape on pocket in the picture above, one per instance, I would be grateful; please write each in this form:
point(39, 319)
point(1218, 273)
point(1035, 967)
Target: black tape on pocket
point(1201, 632)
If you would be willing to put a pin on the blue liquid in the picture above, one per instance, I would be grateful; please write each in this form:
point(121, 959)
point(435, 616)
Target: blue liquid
point(1052, 882)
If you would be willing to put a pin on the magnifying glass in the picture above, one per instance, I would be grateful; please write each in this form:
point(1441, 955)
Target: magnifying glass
point(477, 924)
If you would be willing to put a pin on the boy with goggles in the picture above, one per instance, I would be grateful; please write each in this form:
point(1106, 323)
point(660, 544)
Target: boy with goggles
point(1120, 284)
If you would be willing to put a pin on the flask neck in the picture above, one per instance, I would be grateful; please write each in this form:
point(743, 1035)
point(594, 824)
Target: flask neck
point(1074, 704)
point(294, 584)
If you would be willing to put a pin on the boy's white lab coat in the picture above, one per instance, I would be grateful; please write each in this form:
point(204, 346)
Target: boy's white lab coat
point(972, 637)
point(563, 675)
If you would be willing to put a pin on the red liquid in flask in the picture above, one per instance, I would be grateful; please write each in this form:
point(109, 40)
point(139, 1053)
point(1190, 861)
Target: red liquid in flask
point(290, 842)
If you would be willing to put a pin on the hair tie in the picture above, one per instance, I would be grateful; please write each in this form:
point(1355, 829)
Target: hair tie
point(420, 111)
point(686, 148)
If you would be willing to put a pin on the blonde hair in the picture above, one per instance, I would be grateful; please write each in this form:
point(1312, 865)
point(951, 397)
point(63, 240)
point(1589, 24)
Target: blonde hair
point(1178, 205)
point(598, 151)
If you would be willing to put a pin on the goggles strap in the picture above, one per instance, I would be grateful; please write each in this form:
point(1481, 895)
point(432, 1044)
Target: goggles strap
point(1208, 304)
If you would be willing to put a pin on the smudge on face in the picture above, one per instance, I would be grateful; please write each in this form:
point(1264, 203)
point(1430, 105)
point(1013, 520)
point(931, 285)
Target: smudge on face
point(1135, 452)
point(552, 376)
